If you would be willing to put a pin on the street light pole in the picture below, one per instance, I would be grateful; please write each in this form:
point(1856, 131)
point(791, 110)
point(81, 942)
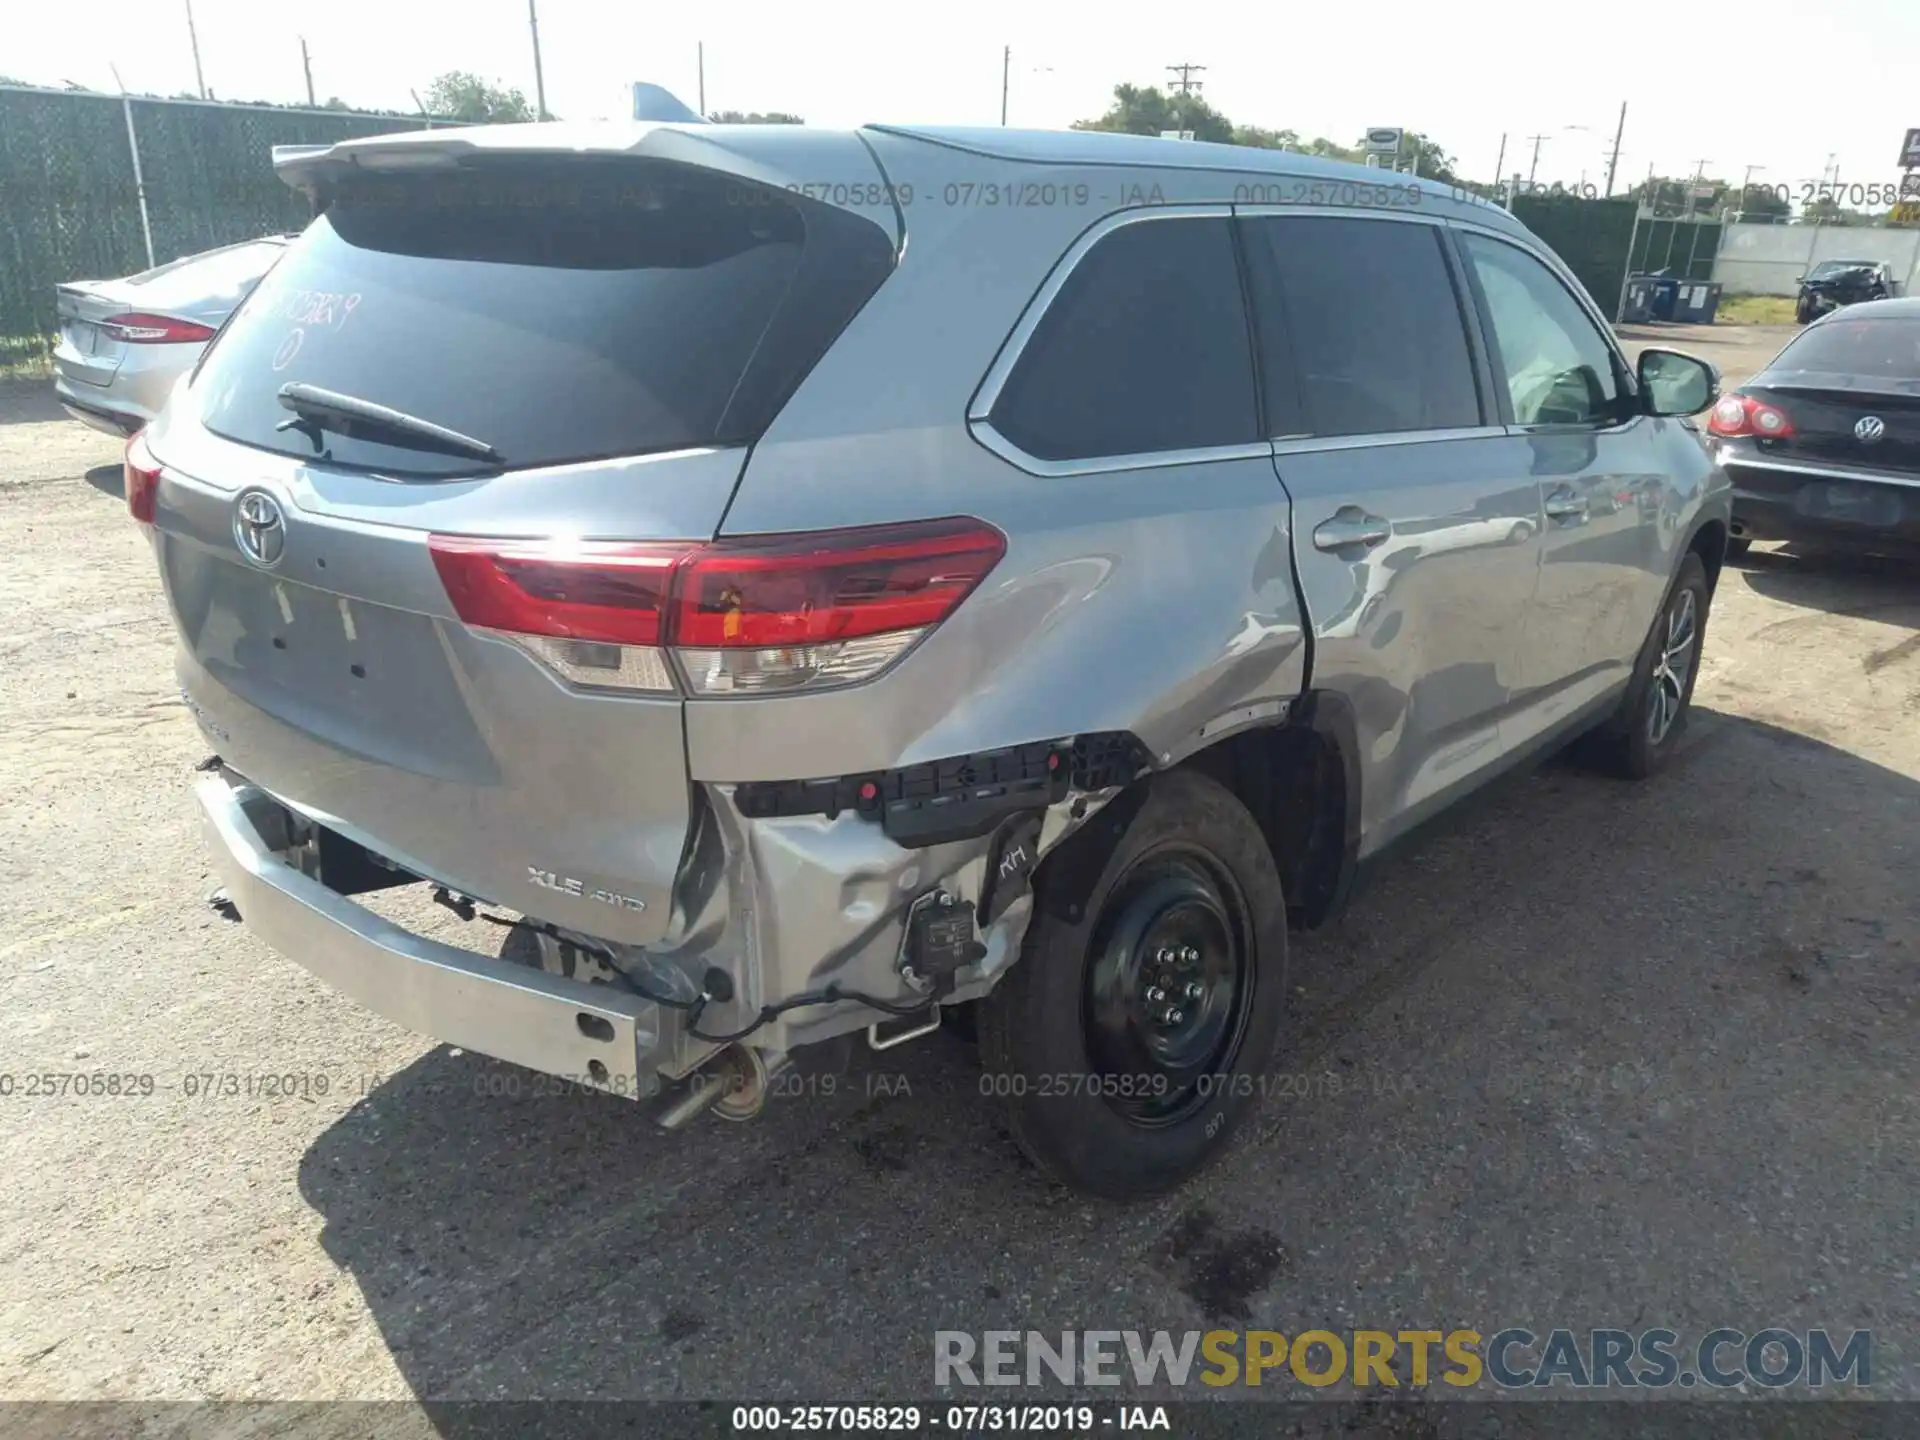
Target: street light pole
point(1006, 66)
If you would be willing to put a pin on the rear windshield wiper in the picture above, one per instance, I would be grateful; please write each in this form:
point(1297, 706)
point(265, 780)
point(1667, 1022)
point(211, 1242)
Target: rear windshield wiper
point(316, 411)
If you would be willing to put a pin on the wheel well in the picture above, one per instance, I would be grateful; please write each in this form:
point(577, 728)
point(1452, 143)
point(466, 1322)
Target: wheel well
point(1710, 544)
point(1300, 782)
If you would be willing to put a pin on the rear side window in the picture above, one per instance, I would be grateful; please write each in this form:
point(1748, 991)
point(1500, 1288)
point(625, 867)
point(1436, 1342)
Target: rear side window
point(1557, 366)
point(560, 312)
point(1144, 349)
point(1361, 331)
point(1888, 349)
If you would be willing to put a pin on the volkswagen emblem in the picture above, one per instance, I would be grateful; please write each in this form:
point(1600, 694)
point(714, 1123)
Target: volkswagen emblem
point(259, 528)
point(1871, 430)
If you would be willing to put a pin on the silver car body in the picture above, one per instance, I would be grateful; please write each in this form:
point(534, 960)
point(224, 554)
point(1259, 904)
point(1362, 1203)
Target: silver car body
point(1177, 598)
point(117, 385)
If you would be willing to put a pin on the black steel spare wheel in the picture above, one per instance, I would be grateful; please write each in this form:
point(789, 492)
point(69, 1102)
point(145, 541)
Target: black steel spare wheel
point(1168, 986)
point(1139, 1023)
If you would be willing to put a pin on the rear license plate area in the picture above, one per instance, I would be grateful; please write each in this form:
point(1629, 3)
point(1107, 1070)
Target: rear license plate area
point(1851, 503)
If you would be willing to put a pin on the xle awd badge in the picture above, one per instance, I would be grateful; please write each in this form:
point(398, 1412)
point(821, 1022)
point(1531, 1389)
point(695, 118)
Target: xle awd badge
point(259, 528)
point(567, 885)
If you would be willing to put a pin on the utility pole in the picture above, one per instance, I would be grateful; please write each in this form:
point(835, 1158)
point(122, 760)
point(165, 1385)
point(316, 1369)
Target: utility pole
point(306, 64)
point(1187, 85)
point(1006, 69)
point(193, 38)
point(1533, 169)
point(539, 78)
point(1500, 164)
point(700, 54)
point(1614, 160)
point(1186, 82)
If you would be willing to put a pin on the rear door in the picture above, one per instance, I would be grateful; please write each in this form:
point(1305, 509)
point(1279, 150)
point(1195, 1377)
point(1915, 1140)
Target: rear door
point(618, 331)
point(1416, 548)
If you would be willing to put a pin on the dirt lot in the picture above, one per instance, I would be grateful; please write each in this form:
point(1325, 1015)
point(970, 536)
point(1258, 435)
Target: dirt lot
point(1595, 1055)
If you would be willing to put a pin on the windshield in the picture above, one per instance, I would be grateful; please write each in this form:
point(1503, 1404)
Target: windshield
point(1886, 348)
point(563, 311)
point(1829, 269)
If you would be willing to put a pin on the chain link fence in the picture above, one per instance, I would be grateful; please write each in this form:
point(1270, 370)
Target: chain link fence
point(74, 164)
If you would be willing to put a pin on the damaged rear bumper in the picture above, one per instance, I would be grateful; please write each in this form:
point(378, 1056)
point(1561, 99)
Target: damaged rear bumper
point(593, 1034)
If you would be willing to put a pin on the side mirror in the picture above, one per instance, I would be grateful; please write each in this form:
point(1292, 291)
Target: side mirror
point(1675, 383)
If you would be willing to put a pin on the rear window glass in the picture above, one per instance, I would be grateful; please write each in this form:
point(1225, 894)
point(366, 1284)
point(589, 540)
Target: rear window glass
point(1884, 348)
point(559, 313)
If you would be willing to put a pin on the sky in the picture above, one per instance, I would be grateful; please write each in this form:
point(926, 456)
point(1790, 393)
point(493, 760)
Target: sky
point(1732, 91)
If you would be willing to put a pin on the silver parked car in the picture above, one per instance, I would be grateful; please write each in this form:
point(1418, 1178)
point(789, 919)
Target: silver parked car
point(798, 582)
point(125, 343)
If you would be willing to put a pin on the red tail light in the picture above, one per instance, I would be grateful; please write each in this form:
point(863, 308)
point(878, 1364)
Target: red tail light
point(584, 590)
point(749, 616)
point(836, 585)
point(1739, 414)
point(140, 328)
point(140, 477)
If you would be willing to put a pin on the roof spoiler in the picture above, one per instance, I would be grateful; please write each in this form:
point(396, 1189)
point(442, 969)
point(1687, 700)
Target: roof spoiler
point(656, 102)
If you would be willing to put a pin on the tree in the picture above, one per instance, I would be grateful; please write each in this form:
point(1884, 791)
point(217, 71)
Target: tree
point(1260, 139)
point(755, 117)
point(1432, 162)
point(1763, 202)
point(461, 95)
point(1825, 210)
point(1146, 110)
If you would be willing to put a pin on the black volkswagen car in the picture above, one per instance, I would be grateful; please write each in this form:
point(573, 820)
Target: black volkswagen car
point(1824, 444)
point(1834, 283)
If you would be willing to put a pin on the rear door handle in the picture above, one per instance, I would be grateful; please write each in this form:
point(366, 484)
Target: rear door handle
point(1350, 526)
point(1563, 504)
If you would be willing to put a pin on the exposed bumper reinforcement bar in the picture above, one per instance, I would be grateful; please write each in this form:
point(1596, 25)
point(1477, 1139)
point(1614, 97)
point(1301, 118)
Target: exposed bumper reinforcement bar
point(592, 1034)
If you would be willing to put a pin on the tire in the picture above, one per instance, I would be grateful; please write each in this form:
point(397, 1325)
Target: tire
point(1802, 312)
point(1738, 546)
point(962, 1021)
point(1633, 744)
point(1111, 1092)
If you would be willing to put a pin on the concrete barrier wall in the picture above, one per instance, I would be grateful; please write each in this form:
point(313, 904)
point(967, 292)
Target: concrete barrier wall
point(1770, 259)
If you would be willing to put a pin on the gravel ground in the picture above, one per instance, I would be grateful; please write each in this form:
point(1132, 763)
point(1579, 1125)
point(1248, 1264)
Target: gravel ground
point(1592, 1055)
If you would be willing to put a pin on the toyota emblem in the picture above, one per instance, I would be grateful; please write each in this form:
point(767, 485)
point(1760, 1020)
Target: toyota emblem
point(1871, 430)
point(259, 528)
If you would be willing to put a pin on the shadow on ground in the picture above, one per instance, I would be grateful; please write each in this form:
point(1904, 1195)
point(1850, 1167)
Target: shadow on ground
point(109, 480)
point(1865, 586)
point(1700, 939)
point(28, 400)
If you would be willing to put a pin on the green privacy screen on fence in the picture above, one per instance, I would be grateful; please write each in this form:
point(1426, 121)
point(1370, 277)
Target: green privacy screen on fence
point(69, 208)
point(1591, 236)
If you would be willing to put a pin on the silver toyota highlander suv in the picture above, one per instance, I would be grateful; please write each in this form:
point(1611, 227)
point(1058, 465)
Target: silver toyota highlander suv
point(798, 582)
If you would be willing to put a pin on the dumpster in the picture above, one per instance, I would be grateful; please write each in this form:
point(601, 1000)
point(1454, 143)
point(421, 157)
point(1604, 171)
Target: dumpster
point(1697, 301)
point(1637, 308)
point(1666, 297)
